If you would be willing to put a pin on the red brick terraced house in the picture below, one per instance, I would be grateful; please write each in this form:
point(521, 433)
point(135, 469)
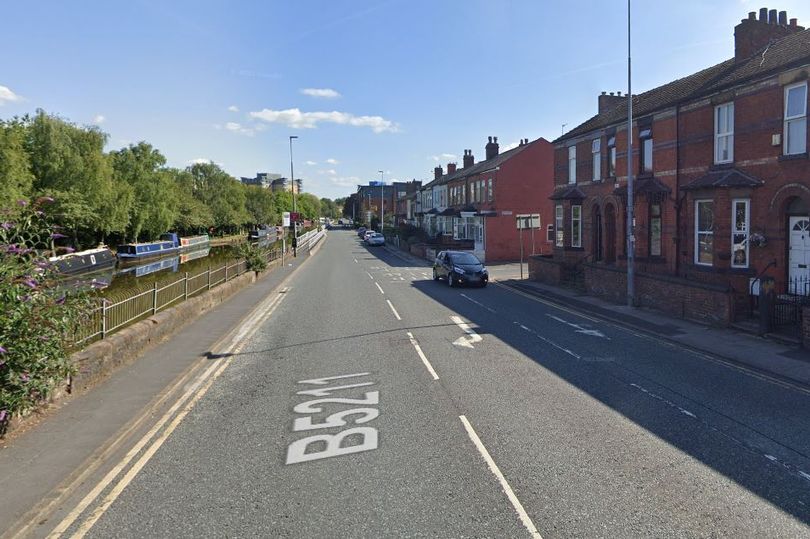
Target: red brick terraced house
point(722, 183)
point(483, 199)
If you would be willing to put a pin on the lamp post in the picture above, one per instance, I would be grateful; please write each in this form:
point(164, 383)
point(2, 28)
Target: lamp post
point(631, 240)
point(382, 203)
point(295, 207)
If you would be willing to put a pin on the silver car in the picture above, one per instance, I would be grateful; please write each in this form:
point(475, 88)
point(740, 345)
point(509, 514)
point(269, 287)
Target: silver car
point(376, 239)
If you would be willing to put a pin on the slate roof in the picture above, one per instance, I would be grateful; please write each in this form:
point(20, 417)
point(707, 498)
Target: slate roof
point(790, 51)
point(569, 193)
point(723, 178)
point(643, 186)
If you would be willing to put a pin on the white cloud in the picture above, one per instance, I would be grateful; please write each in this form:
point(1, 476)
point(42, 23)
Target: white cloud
point(238, 128)
point(346, 181)
point(7, 96)
point(324, 93)
point(331, 172)
point(332, 161)
point(200, 161)
point(309, 120)
point(310, 163)
point(444, 157)
point(99, 119)
point(509, 147)
point(233, 108)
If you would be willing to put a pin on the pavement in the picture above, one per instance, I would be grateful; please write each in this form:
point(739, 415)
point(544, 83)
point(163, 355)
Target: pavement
point(785, 361)
point(361, 398)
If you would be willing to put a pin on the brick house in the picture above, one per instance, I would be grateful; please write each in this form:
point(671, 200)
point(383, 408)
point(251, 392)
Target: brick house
point(404, 201)
point(722, 182)
point(478, 203)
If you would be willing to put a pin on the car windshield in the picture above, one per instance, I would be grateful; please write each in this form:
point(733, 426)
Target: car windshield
point(463, 258)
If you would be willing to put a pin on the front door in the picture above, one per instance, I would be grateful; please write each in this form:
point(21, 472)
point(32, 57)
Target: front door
point(799, 256)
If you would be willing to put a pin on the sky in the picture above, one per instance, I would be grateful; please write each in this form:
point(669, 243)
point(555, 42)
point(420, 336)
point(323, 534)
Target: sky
point(398, 86)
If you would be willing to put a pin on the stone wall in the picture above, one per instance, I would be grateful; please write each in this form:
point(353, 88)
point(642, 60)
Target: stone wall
point(546, 270)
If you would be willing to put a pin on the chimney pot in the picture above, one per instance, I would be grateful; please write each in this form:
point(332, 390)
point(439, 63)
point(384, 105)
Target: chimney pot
point(752, 15)
point(794, 23)
point(619, 94)
point(490, 139)
point(603, 93)
point(495, 140)
point(763, 14)
point(772, 17)
point(783, 18)
point(611, 93)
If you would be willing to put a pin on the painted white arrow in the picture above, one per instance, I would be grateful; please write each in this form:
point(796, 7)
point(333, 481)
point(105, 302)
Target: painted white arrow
point(580, 329)
point(471, 337)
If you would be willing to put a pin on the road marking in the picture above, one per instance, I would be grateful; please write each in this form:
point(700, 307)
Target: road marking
point(393, 310)
point(200, 386)
point(138, 466)
point(424, 359)
point(471, 338)
point(324, 381)
point(524, 517)
point(355, 261)
point(379, 288)
point(370, 276)
point(552, 343)
point(478, 303)
point(580, 329)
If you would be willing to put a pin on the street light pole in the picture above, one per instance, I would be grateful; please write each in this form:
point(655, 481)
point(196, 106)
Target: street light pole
point(631, 240)
point(295, 208)
point(382, 203)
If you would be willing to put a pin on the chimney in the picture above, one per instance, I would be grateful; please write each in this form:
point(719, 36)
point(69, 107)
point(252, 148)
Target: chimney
point(607, 102)
point(437, 173)
point(469, 160)
point(451, 168)
point(491, 149)
point(754, 34)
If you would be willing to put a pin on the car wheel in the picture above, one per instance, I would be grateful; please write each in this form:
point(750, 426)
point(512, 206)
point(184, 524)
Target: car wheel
point(483, 284)
point(435, 275)
point(451, 280)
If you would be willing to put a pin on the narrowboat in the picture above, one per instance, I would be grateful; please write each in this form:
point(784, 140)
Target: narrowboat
point(84, 261)
point(132, 252)
point(194, 242)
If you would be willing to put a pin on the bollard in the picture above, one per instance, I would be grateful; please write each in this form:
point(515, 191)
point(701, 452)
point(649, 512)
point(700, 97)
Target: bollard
point(154, 298)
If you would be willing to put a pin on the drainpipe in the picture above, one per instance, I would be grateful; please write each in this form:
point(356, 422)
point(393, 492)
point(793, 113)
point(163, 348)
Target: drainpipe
point(678, 201)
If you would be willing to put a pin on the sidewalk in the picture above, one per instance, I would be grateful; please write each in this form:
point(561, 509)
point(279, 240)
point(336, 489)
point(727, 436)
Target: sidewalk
point(788, 363)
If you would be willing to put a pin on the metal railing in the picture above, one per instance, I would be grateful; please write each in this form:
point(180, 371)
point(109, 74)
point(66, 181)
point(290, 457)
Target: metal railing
point(108, 316)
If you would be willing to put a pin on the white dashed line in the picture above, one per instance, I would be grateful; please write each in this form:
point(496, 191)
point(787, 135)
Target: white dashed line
point(379, 288)
point(393, 310)
point(524, 516)
point(370, 276)
point(424, 359)
point(465, 296)
point(552, 343)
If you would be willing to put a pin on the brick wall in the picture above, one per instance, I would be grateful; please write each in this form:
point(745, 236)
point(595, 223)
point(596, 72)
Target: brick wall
point(546, 270)
point(701, 302)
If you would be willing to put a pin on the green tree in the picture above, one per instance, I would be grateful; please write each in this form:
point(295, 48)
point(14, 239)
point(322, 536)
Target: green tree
point(193, 216)
point(260, 206)
point(309, 205)
point(16, 179)
point(223, 195)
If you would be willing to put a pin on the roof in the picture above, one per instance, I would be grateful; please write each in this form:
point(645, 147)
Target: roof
point(480, 167)
point(568, 193)
point(792, 50)
point(730, 177)
point(644, 186)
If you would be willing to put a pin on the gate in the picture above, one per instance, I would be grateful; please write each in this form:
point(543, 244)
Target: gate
point(788, 307)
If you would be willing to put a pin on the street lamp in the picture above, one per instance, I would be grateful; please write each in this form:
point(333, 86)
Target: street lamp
point(382, 203)
point(295, 208)
point(631, 240)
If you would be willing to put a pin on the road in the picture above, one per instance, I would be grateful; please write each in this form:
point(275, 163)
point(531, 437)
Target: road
point(366, 400)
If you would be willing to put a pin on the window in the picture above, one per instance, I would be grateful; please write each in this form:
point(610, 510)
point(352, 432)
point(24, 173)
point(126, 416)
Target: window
point(646, 151)
point(596, 151)
point(612, 157)
point(558, 224)
point(741, 217)
point(724, 133)
point(463, 194)
point(655, 229)
point(704, 232)
point(796, 119)
point(576, 226)
point(549, 233)
point(572, 164)
point(489, 189)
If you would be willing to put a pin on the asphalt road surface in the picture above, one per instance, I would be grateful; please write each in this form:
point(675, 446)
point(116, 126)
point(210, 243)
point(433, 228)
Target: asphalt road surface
point(365, 399)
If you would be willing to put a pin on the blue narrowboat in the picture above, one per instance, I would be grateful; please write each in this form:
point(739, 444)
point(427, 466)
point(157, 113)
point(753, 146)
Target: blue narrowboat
point(87, 261)
point(130, 252)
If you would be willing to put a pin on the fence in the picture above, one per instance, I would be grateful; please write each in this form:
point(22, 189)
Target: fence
point(109, 317)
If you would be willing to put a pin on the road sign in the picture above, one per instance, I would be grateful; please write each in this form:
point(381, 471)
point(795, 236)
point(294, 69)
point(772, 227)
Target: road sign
point(526, 221)
point(285, 218)
point(295, 216)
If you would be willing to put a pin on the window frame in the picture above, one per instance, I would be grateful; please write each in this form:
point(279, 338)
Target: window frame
point(596, 153)
point(645, 136)
point(791, 119)
point(490, 192)
point(698, 232)
point(746, 232)
point(559, 216)
point(578, 221)
point(611, 145)
point(726, 135)
point(572, 164)
point(660, 219)
point(549, 233)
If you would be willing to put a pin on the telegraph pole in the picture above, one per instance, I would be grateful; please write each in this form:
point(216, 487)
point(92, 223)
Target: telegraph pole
point(382, 203)
point(295, 208)
point(631, 240)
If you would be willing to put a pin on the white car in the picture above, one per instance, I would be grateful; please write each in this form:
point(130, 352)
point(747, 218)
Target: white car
point(368, 234)
point(376, 239)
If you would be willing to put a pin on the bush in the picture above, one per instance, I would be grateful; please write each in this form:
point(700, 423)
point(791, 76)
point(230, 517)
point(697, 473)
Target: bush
point(255, 258)
point(37, 317)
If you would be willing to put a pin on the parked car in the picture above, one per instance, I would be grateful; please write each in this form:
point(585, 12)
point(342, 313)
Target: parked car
point(361, 231)
point(368, 234)
point(376, 239)
point(460, 267)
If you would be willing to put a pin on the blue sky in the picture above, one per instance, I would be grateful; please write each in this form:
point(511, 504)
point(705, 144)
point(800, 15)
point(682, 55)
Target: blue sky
point(401, 84)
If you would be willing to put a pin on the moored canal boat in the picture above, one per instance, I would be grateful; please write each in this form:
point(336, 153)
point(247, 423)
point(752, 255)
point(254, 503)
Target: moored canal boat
point(86, 261)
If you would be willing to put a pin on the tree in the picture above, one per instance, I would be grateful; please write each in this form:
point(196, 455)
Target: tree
point(260, 206)
point(192, 214)
point(223, 195)
point(309, 206)
point(16, 179)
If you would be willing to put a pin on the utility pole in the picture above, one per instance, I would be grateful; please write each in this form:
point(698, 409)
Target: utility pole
point(295, 207)
point(631, 240)
point(382, 202)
